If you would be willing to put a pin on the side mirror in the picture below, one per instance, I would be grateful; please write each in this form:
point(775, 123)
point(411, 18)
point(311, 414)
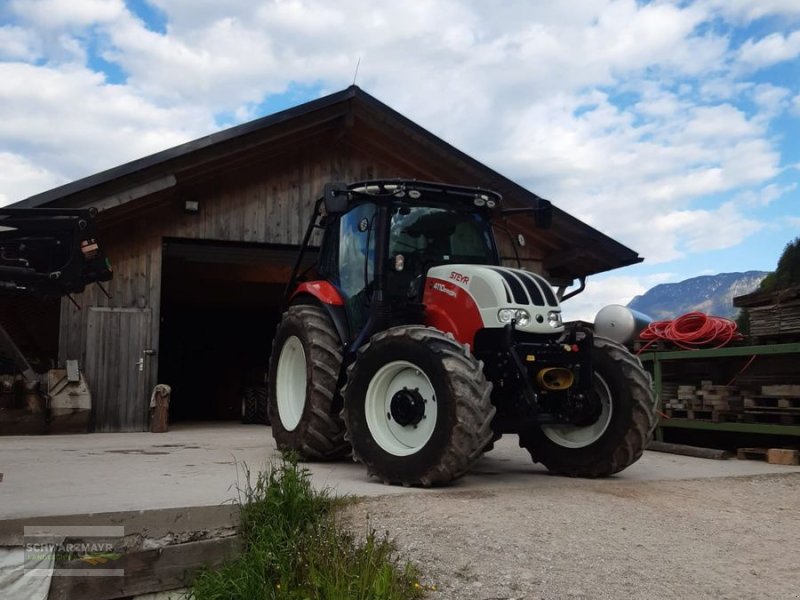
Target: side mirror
point(335, 195)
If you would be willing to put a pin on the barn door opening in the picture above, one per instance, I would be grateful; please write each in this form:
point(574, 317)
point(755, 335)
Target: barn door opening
point(220, 305)
point(118, 363)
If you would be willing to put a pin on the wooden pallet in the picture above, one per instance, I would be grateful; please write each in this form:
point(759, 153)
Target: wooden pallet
point(715, 416)
point(772, 403)
point(774, 456)
point(771, 417)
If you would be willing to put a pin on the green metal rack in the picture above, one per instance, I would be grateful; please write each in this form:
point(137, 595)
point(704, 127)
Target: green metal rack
point(657, 359)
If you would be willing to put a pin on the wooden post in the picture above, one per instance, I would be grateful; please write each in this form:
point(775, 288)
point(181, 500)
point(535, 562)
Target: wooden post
point(159, 409)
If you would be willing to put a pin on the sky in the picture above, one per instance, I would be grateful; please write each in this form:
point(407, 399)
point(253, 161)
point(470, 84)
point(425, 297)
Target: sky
point(672, 126)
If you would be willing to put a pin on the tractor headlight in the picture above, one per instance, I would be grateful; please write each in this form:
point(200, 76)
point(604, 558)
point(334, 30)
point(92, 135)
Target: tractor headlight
point(506, 315)
point(554, 319)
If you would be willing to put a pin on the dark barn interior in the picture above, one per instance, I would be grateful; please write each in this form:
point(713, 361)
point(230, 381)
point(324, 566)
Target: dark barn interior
point(220, 306)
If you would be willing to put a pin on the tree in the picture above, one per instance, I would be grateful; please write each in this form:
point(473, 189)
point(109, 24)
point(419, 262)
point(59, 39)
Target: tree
point(787, 274)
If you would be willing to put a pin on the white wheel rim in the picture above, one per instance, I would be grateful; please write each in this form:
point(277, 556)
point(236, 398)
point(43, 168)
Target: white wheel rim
point(394, 438)
point(290, 383)
point(570, 436)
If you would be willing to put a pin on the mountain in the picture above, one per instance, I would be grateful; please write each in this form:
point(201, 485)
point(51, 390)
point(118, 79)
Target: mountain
point(710, 294)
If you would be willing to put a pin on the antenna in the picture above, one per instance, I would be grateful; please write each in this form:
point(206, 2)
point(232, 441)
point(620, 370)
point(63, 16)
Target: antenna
point(355, 75)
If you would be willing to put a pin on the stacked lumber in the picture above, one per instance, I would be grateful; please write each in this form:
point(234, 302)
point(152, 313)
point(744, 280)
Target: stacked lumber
point(777, 319)
point(774, 404)
point(772, 313)
point(706, 402)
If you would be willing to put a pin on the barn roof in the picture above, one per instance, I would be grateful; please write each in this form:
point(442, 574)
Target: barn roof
point(572, 248)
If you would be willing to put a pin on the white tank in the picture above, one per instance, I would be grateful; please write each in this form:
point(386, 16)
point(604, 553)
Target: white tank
point(620, 323)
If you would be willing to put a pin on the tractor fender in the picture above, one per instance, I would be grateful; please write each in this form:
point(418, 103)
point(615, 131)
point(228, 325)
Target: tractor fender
point(328, 297)
point(324, 291)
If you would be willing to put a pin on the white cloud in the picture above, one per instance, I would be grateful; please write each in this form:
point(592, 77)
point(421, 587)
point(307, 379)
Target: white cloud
point(765, 195)
point(69, 123)
point(21, 178)
point(53, 14)
point(773, 48)
point(702, 230)
point(751, 10)
point(17, 43)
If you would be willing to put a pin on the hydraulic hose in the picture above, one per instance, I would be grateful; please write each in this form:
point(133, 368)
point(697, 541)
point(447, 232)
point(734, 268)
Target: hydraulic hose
point(692, 331)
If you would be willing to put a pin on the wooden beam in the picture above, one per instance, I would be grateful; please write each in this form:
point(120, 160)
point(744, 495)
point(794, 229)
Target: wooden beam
point(136, 192)
point(146, 571)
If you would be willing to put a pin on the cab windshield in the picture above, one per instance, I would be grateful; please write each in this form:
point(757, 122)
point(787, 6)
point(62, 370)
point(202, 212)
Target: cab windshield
point(427, 236)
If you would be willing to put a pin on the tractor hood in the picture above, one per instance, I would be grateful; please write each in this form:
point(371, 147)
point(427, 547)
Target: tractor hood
point(500, 294)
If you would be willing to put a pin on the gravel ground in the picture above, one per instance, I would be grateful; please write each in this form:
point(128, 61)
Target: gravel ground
point(720, 538)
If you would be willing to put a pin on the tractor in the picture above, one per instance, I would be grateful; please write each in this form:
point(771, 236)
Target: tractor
point(412, 348)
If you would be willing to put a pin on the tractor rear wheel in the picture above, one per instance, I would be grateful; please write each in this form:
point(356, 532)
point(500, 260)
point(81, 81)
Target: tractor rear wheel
point(303, 381)
point(417, 407)
point(619, 436)
point(249, 406)
point(254, 406)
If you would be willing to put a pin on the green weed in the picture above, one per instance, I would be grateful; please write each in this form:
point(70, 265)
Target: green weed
point(295, 549)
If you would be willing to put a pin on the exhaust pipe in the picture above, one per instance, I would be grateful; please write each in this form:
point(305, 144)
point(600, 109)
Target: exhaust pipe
point(555, 378)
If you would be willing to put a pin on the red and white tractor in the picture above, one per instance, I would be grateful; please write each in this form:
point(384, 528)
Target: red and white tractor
point(415, 350)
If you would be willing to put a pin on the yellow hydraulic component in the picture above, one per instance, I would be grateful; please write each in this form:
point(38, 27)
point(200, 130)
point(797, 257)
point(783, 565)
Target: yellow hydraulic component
point(555, 378)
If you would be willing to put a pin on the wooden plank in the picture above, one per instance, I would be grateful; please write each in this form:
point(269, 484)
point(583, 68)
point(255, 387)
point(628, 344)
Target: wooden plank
point(146, 571)
point(684, 450)
point(783, 456)
point(143, 389)
point(780, 391)
point(123, 398)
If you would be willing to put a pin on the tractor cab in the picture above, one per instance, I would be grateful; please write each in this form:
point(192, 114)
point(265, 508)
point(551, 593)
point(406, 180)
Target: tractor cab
point(386, 236)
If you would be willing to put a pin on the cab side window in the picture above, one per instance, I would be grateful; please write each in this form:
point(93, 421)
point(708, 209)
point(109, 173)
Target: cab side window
point(356, 261)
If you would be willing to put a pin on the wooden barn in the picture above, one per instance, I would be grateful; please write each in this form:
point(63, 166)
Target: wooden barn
point(202, 237)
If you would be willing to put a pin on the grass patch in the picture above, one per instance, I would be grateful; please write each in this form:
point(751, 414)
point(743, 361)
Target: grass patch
point(295, 549)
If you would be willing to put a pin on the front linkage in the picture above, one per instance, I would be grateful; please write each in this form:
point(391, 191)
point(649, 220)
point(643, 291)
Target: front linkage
point(540, 380)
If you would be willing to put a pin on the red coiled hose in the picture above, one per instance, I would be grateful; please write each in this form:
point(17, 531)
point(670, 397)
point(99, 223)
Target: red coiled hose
point(692, 330)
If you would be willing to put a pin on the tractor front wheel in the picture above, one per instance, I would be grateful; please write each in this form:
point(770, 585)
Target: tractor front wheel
point(620, 434)
point(417, 407)
point(303, 385)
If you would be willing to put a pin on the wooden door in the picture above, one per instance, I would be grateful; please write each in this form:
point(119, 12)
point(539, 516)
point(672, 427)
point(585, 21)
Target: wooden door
point(118, 363)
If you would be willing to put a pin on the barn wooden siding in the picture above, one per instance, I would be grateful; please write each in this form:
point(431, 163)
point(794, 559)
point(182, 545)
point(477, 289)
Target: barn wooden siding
point(272, 206)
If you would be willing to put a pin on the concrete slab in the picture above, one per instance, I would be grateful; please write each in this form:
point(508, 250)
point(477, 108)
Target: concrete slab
point(202, 465)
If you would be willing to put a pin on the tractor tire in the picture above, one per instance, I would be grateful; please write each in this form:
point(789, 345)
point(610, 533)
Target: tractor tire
point(249, 407)
point(417, 407)
point(618, 438)
point(262, 405)
point(303, 381)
